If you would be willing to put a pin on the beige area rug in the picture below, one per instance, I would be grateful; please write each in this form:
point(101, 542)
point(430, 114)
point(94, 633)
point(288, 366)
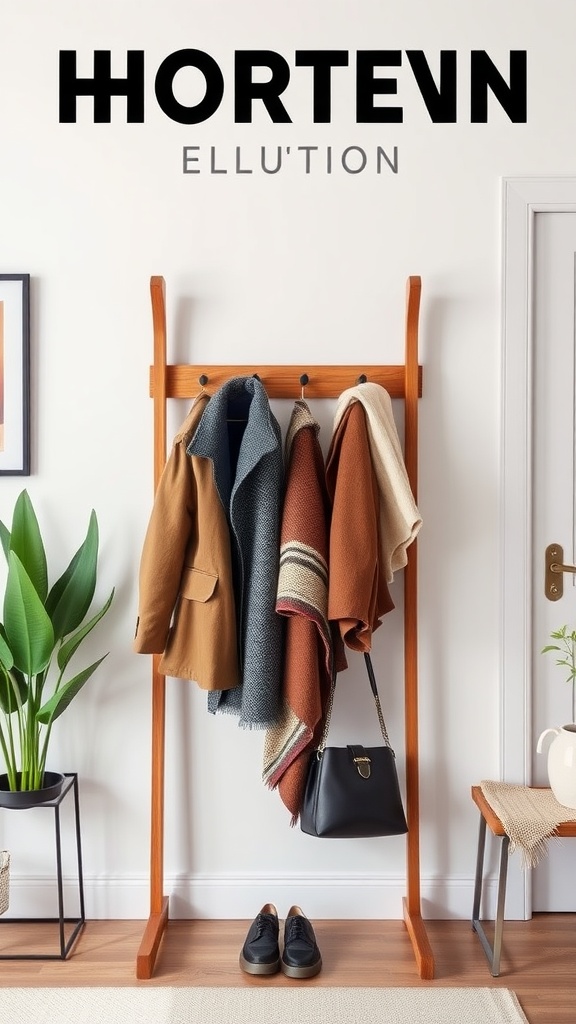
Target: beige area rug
point(257, 1005)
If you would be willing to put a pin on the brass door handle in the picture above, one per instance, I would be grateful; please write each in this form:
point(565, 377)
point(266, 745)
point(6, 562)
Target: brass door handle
point(557, 567)
point(554, 569)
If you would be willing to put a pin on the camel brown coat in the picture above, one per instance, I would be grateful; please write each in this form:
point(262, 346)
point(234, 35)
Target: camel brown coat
point(186, 607)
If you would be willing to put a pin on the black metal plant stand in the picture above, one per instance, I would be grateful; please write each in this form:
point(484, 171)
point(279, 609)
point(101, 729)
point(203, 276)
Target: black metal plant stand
point(70, 785)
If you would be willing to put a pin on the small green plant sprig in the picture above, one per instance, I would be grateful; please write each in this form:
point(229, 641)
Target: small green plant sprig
point(41, 630)
point(566, 646)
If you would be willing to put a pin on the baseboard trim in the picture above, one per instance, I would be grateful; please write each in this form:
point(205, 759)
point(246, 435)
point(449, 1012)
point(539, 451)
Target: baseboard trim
point(349, 897)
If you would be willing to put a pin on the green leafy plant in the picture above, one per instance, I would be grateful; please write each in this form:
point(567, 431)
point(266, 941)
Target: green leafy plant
point(566, 647)
point(41, 631)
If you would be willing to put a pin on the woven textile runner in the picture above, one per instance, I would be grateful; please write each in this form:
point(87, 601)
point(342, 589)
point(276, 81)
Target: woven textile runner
point(530, 817)
point(270, 1005)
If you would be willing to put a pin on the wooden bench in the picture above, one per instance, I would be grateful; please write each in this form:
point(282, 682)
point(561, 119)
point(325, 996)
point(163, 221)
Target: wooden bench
point(566, 829)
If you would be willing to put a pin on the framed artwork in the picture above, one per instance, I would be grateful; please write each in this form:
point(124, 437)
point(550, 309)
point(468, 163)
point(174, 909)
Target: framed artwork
point(14, 374)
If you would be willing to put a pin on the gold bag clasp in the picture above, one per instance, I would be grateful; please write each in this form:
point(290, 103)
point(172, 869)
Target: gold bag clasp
point(363, 766)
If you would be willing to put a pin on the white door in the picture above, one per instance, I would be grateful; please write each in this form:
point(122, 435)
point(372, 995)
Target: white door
point(553, 510)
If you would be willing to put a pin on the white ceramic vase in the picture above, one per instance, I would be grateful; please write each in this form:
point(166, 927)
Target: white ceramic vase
point(562, 763)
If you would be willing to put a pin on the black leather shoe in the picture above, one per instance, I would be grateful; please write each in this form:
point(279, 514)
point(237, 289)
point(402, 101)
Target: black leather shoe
point(260, 952)
point(300, 956)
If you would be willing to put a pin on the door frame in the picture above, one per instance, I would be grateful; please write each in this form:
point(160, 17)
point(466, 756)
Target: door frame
point(523, 198)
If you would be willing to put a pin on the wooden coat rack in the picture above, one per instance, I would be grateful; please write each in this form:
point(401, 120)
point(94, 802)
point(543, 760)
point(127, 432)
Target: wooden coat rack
point(403, 381)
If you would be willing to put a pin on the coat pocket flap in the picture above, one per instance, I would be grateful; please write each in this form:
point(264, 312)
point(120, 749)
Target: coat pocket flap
point(198, 585)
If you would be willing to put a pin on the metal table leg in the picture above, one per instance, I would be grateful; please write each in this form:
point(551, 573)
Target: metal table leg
point(492, 952)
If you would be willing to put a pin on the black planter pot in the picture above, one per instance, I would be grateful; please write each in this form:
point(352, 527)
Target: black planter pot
point(53, 782)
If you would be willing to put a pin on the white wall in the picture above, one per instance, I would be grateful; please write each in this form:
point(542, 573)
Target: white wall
point(287, 267)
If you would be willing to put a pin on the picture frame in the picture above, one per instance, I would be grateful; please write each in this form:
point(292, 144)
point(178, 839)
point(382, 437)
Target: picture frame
point(14, 374)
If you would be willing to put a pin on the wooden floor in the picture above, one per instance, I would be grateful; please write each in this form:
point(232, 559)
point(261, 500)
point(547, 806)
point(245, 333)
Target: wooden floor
point(538, 959)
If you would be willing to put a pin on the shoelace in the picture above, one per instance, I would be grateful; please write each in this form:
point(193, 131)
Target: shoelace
point(264, 922)
point(297, 929)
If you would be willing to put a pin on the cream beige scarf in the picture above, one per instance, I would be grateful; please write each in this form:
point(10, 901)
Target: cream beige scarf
point(530, 817)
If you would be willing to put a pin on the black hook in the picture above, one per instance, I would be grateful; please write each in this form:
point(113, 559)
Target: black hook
point(202, 379)
point(362, 379)
point(304, 378)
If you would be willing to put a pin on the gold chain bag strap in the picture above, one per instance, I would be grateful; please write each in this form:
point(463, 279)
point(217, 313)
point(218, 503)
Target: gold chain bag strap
point(352, 792)
point(4, 881)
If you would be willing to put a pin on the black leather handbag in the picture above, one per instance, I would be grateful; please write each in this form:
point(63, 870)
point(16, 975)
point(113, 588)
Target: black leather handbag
point(353, 792)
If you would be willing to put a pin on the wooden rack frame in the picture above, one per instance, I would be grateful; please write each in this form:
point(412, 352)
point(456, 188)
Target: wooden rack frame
point(404, 381)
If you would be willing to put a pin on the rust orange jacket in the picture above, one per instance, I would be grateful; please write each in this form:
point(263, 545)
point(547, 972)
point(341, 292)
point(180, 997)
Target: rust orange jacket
point(358, 593)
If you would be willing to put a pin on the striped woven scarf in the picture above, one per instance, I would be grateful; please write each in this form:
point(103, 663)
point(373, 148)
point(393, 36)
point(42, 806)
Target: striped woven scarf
point(303, 598)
